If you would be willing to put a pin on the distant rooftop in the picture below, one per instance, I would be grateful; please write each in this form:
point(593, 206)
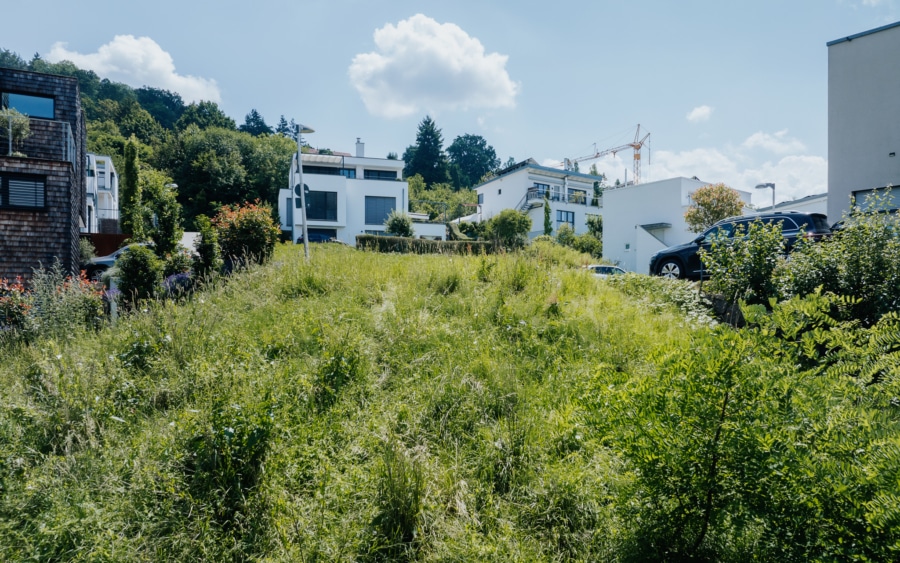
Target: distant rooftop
point(533, 164)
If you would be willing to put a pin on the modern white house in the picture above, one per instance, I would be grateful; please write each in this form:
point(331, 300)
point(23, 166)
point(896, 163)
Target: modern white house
point(641, 219)
point(863, 117)
point(525, 186)
point(347, 196)
point(102, 201)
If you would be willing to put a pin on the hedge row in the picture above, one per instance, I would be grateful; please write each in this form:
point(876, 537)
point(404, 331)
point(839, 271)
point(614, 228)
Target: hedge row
point(421, 246)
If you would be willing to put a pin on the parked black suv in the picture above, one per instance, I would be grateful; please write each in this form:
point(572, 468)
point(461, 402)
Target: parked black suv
point(683, 261)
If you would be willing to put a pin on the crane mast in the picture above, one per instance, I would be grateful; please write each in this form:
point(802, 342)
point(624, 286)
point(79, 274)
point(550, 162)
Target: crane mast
point(569, 163)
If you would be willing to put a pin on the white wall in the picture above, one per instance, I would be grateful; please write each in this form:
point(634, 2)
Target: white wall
point(625, 209)
point(863, 115)
point(504, 192)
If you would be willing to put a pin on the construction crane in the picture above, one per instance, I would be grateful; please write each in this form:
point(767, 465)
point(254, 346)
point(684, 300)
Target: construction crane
point(569, 164)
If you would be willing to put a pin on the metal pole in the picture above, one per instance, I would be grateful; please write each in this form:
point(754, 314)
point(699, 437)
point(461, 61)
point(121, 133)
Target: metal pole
point(301, 129)
point(302, 200)
point(292, 208)
point(773, 197)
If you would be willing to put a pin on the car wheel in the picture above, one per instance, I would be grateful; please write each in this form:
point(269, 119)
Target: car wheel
point(671, 269)
point(96, 274)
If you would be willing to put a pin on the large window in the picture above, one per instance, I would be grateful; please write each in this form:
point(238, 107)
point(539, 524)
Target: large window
point(330, 171)
point(380, 174)
point(378, 209)
point(22, 192)
point(34, 106)
point(320, 206)
point(565, 217)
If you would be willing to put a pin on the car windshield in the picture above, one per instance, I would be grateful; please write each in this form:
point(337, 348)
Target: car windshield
point(723, 230)
point(820, 222)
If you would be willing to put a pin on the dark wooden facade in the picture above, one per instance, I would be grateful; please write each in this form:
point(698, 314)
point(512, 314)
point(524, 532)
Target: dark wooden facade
point(56, 152)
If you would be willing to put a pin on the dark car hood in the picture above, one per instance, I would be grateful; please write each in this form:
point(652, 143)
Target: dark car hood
point(678, 247)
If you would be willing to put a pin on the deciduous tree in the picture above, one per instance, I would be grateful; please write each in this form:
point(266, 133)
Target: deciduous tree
point(471, 158)
point(165, 106)
point(204, 115)
point(712, 203)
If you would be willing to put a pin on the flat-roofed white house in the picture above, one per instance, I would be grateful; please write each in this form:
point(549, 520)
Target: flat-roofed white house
point(863, 117)
point(102, 201)
point(347, 196)
point(525, 185)
point(642, 219)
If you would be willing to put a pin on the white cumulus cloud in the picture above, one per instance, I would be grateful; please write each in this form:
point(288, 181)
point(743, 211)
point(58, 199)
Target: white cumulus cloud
point(795, 175)
point(139, 61)
point(779, 143)
point(700, 113)
point(420, 64)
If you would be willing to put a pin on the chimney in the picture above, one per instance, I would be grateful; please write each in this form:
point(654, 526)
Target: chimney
point(360, 148)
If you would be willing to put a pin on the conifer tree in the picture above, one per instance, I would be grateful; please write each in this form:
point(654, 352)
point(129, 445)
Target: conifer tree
point(427, 156)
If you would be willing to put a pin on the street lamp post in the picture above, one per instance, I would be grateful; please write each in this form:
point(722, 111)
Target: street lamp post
point(768, 185)
point(300, 130)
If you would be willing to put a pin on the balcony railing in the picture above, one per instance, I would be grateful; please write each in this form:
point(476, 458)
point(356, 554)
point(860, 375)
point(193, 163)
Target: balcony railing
point(576, 197)
point(48, 139)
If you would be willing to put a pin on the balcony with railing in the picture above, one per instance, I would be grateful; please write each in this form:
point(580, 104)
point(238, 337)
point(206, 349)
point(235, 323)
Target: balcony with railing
point(46, 139)
point(577, 197)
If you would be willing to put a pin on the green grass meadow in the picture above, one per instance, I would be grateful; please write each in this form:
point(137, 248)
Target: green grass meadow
point(381, 407)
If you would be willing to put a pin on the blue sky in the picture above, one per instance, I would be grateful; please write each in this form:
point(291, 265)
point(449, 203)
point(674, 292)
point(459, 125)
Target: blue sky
point(732, 92)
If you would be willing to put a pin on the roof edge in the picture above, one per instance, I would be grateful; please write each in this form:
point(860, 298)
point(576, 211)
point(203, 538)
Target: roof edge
point(862, 34)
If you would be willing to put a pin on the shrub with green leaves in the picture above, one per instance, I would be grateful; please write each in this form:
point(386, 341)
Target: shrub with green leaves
point(862, 259)
point(208, 261)
point(247, 232)
point(86, 251)
point(177, 262)
point(138, 273)
point(399, 224)
point(565, 235)
point(15, 303)
point(168, 231)
point(741, 267)
point(509, 228)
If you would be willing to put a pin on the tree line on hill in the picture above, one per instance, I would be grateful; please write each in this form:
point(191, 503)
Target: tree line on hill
point(211, 161)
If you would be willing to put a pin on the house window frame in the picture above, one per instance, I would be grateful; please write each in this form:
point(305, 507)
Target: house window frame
point(4, 191)
point(383, 175)
point(371, 219)
point(349, 173)
point(319, 210)
point(565, 217)
point(6, 104)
